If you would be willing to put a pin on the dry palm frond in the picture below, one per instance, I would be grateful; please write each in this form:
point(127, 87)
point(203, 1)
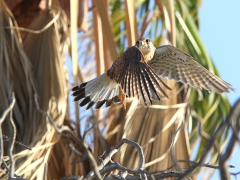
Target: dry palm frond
point(99, 52)
point(131, 24)
point(73, 13)
point(46, 53)
point(15, 76)
point(161, 132)
point(103, 13)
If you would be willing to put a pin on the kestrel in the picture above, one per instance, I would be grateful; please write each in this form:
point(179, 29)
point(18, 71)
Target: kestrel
point(138, 72)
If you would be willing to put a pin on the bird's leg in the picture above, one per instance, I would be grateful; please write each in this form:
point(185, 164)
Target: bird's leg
point(122, 97)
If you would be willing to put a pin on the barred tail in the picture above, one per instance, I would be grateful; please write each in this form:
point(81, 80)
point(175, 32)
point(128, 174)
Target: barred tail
point(97, 91)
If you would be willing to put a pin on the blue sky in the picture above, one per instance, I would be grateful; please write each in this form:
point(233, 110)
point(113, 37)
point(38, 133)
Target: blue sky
point(220, 32)
point(219, 29)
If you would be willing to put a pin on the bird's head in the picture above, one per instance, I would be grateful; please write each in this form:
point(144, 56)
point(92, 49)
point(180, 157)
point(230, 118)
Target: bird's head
point(145, 45)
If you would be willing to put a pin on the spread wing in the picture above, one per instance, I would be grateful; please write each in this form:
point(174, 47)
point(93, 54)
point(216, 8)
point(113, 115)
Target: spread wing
point(136, 78)
point(172, 63)
point(97, 91)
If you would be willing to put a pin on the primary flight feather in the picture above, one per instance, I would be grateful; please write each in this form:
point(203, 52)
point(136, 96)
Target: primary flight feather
point(138, 72)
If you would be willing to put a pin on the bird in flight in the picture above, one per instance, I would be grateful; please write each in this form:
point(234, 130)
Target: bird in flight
point(138, 72)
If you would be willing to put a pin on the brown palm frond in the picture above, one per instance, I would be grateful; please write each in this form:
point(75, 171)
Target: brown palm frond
point(46, 53)
point(16, 76)
point(160, 136)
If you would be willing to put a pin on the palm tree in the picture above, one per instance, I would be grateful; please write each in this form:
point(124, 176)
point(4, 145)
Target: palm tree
point(167, 131)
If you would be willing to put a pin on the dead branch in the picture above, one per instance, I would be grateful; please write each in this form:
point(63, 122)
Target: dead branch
point(12, 166)
point(5, 113)
point(60, 130)
point(233, 116)
point(6, 138)
point(115, 150)
point(107, 165)
point(234, 113)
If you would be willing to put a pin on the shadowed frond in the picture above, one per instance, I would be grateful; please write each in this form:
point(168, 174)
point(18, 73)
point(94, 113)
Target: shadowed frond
point(16, 76)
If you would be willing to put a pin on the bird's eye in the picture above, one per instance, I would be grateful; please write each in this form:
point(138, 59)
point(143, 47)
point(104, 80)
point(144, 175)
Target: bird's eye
point(137, 43)
point(147, 40)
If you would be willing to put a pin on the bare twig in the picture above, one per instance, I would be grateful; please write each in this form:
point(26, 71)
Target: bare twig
point(235, 174)
point(70, 177)
point(5, 113)
point(114, 151)
point(76, 151)
point(12, 175)
point(234, 114)
point(63, 128)
point(59, 130)
point(138, 147)
point(12, 143)
point(90, 156)
point(5, 165)
point(6, 138)
point(87, 133)
point(116, 166)
point(105, 161)
point(206, 165)
point(218, 132)
point(106, 165)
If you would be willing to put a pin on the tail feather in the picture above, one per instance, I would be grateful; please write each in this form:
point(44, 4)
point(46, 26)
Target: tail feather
point(85, 101)
point(90, 104)
point(139, 80)
point(109, 102)
point(97, 91)
point(79, 95)
point(99, 104)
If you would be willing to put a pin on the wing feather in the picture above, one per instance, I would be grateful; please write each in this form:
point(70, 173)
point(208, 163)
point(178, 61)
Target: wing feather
point(136, 78)
point(151, 88)
point(145, 89)
point(172, 63)
point(97, 91)
point(134, 84)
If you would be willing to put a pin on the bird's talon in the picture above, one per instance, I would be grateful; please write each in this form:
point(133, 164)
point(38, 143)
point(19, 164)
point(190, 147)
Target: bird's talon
point(122, 97)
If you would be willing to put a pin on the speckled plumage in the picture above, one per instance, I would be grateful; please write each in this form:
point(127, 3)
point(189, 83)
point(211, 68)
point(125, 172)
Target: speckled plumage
point(136, 78)
point(172, 63)
point(138, 72)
